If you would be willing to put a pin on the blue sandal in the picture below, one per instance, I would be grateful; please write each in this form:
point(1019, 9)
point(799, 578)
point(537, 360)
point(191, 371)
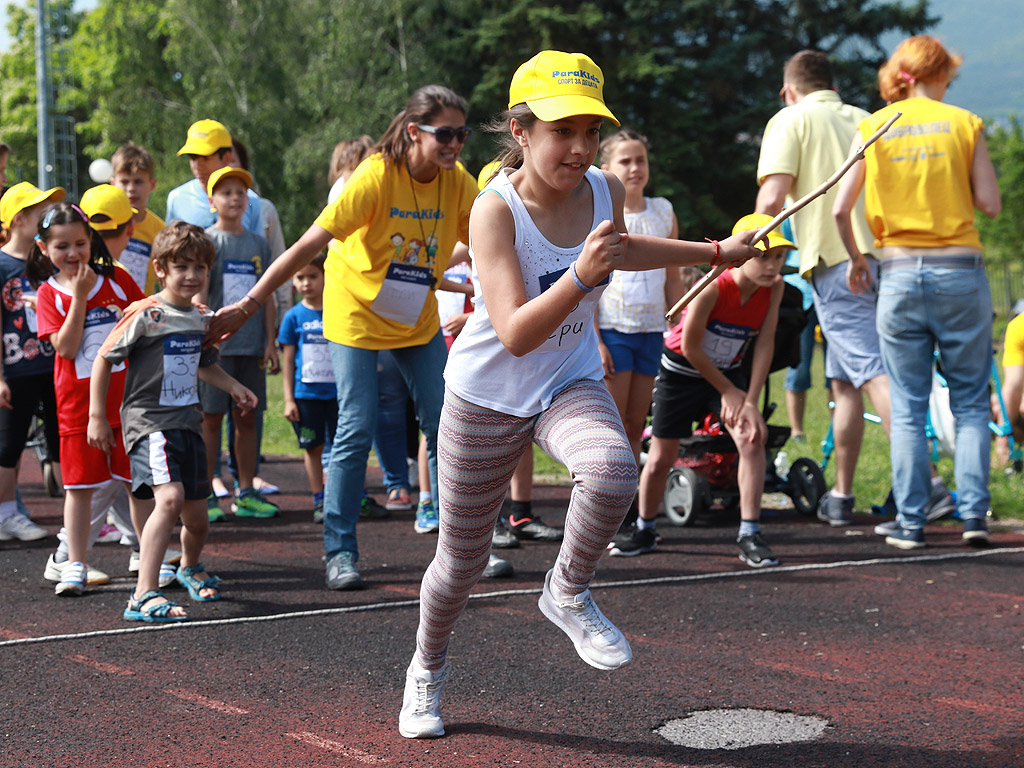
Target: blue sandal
point(186, 576)
point(142, 610)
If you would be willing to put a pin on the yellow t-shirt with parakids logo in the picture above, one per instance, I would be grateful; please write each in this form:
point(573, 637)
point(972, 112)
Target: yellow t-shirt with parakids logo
point(1013, 352)
point(394, 239)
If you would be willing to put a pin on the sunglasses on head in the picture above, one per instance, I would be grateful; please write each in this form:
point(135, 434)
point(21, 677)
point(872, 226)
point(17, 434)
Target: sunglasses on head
point(444, 134)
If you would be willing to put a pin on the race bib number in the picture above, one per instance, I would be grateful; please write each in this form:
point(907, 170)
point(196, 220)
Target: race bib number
point(723, 343)
point(403, 294)
point(99, 322)
point(181, 369)
point(239, 279)
point(136, 262)
point(637, 288)
point(316, 361)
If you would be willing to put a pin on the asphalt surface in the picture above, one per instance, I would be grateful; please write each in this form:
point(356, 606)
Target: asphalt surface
point(901, 659)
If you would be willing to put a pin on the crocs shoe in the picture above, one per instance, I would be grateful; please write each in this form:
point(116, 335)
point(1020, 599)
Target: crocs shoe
point(250, 503)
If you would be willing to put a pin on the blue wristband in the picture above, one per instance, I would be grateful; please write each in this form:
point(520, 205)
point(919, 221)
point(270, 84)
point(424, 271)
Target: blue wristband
point(576, 279)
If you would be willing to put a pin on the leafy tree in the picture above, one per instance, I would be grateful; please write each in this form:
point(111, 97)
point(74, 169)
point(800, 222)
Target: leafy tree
point(1002, 236)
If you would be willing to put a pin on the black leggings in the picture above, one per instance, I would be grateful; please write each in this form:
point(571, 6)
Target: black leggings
point(29, 395)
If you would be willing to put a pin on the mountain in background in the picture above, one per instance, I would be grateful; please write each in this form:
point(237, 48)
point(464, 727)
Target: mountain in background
point(989, 34)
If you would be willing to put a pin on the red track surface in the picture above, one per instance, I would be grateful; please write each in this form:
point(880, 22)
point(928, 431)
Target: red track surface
point(915, 660)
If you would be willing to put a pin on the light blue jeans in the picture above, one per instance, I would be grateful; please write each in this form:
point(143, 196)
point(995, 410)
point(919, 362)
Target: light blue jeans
point(389, 442)
point(922, 308)
point(355, 372)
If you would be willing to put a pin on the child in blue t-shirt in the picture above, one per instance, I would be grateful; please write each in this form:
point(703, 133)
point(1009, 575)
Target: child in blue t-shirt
point(310, 398)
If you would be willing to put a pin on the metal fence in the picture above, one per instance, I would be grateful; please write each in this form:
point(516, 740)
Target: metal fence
point(1007, 282)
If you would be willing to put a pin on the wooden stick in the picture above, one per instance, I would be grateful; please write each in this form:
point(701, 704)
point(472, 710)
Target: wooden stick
point(762, 233)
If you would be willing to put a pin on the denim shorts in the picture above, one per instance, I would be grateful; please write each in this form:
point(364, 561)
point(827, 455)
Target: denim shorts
point(847, 321)
point(640, 352)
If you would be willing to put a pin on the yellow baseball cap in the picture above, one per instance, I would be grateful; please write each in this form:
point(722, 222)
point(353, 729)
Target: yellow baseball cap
point(227, 172)
point(109, 201)
point(487, 172)
point(24, 195)
point(756, 221)
point(206, 137)
point(555, 85)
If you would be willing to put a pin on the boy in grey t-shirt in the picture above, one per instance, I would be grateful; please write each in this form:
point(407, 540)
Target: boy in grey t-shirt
point(241, 258)
point(162, 336)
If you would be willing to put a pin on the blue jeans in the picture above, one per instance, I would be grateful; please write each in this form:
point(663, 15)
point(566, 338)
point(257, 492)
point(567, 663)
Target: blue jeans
point(922, 308)
point(355, 371)
point(389, 442)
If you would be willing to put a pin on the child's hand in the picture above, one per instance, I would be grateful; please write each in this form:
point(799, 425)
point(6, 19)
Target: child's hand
point(244, 398)
point(271, 359)
point(603, 251)
point(606, 359)
point(456, 323)
point(750, 426)
point(5, 395)
point(99, 434)
point(291, 411)
point(82, 280)
point(858, 275)
point(736, 249)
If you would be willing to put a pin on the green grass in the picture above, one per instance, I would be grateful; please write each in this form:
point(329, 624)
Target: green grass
point(871, 483)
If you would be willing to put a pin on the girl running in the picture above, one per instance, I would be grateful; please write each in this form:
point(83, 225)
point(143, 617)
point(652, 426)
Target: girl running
point(545, 236)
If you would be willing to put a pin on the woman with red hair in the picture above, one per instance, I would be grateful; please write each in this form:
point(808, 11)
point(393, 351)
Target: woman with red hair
point(923, 180)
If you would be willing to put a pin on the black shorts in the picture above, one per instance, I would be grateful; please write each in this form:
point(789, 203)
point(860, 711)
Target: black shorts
point(29, 394)
point(170, 456)
point(680, 400)
point(317, 422)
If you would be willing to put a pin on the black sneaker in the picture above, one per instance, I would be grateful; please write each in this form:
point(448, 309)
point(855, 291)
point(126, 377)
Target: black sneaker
point(369, 507)
point(639, 541)
point(498, 568)
point(755, 552)
point(533, 528)
point(502, 537)
point(835, 512)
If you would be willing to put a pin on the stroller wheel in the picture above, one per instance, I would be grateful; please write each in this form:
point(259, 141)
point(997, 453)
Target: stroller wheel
point(807, 485)
point(685, 495)
point(50, 479)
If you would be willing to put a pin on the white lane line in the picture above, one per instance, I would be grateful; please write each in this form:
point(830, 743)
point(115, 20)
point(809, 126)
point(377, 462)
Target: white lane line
point(333, 746)
point(751, 573)
point(205, 701)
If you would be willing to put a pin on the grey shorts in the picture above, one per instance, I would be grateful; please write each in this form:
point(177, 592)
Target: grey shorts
point(170, 456)
point(847, 321)
point(248, 370)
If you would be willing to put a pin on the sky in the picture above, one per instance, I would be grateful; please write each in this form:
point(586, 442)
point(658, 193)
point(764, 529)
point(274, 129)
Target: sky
point(991, 81)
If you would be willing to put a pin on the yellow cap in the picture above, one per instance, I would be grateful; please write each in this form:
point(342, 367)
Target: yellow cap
point(25, 195)
point(555, 85)
point(487, 172)
point(227, 172)
point(756, 221)
point(206, 137)
point(109, 201)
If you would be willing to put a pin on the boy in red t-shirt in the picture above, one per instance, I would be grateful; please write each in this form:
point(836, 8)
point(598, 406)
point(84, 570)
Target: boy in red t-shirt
point(701, 371)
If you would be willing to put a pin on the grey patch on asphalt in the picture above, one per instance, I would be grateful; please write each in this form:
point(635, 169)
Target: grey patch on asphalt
point(739, 728)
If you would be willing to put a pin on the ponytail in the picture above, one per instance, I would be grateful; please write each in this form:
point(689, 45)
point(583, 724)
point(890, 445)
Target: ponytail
point(920, 58)
point(511, 155)
point(38, 266)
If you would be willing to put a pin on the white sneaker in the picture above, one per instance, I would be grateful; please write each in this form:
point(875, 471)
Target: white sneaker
point(55, 572)
point(72, 580)
point(420, 717)
point(134, 561)
point(20, 527)
point(598, 642)
point(168, 575)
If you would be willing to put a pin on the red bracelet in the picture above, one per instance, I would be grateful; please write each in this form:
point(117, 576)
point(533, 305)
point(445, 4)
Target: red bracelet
point(717, 258)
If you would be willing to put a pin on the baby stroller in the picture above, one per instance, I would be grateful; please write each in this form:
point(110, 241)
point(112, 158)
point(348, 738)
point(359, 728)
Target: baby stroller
point(705, 471)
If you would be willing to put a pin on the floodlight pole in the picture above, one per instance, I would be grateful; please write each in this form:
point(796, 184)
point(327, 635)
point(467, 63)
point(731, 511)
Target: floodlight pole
point(44, 132)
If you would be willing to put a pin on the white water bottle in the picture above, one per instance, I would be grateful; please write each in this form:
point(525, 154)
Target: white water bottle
point(782, 464)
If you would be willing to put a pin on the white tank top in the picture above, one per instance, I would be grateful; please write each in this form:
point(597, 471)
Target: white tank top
point(481, 370)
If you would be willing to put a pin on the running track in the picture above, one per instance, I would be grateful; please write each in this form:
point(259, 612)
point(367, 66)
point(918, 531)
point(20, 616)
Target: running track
point(912, 659)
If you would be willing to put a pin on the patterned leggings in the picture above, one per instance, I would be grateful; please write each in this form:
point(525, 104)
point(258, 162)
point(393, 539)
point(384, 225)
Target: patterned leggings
point(478, 450)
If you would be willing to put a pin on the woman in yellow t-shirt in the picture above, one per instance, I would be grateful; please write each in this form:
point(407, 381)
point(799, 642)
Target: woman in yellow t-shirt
point(923, 180)
point(396, 221)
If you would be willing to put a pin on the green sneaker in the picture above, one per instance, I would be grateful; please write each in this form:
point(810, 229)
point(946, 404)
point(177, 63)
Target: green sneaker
point(213, 509)
point(250, 503)
point(369, 507)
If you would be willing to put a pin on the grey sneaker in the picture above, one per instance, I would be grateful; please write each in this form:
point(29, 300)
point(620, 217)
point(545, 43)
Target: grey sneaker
point(940, 504)
point(502, 537)
point(835, 512)
point(342, 573)
point(598, 642)
point(498, 568)
point(420, 717)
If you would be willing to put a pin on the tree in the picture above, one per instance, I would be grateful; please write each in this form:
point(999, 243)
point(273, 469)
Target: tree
point(1002, 236)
